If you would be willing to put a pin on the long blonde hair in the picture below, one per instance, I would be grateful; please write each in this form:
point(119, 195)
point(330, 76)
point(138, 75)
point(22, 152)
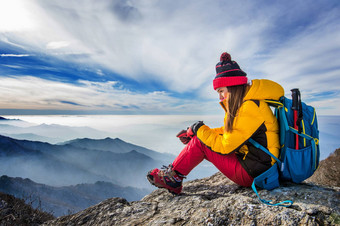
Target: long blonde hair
point(234, 101)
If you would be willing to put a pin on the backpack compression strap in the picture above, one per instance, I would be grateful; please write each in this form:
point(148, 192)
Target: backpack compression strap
point(286, 203)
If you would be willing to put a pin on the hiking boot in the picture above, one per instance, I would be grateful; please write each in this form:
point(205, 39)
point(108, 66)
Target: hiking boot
point(166, 178)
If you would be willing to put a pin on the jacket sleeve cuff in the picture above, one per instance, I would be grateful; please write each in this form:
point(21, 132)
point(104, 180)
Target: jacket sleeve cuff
point(195, 127)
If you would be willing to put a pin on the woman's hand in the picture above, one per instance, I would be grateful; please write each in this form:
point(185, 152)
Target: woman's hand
point(186, 135)
point(183, 137)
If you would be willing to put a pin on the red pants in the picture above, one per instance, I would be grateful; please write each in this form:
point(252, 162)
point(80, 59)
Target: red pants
point(194, 153)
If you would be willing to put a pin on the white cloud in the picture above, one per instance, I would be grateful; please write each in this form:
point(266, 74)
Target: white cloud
point(29, 92)
point(12, 66)
point(100, 72)
point(14, 55)
point(5, 40)
point(57, 45)
point(309, 61)
point(172, 43)
point(15, 16)
point(176, 44)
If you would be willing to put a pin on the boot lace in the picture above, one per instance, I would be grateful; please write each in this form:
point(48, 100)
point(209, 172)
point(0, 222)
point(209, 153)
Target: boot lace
point(168, 170)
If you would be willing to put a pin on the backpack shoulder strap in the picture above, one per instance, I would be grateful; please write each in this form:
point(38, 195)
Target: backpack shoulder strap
point(257, 145)
point(274, 103)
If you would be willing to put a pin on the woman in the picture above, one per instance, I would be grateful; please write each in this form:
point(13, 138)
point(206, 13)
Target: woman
point(247, 116)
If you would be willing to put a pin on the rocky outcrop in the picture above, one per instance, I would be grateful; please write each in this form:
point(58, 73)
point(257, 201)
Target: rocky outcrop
point(328, 172)
point(14, 211)
point(216, 201)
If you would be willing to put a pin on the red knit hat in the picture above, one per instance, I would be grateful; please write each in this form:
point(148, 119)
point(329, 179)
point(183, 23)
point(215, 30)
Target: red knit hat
point(228, 73)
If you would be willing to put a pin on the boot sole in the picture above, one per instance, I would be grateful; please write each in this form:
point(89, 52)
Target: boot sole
point(150, 179)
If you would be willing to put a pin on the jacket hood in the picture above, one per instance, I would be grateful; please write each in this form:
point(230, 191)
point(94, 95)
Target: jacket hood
point(262, 89)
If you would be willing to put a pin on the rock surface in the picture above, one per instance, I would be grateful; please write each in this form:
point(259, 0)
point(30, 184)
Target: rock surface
point(328, 172)
point(216, 201)
point(14, 211)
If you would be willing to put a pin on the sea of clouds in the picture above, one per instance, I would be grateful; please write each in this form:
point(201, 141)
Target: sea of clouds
point(158, 132)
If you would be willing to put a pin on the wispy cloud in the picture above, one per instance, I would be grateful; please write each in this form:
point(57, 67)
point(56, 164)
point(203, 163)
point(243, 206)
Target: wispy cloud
point(174, 45)
point(35, 93)
point(14, 55)
point(57, 45)
point(165, 42)
point(309, 61)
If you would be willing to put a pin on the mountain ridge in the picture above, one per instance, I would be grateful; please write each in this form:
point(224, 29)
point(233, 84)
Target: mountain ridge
point(66, 199)
point(56, 133)
point(41, 159)
point(73, 168)
point(107, 144)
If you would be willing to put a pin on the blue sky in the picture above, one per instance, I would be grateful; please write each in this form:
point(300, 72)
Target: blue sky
point(158, 57)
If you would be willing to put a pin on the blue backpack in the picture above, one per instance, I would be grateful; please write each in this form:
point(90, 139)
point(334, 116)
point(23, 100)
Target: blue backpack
point(299, 140)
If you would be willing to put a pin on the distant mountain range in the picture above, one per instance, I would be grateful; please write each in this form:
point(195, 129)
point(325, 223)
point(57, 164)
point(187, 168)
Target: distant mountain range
point(117, 146)
point(76, 174)
point(75, 162)
point(67, 199)
point(46, 133)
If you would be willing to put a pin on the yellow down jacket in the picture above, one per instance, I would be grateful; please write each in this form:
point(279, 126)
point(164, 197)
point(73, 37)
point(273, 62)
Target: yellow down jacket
point(254, 120)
